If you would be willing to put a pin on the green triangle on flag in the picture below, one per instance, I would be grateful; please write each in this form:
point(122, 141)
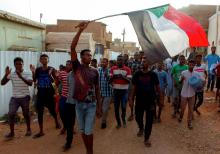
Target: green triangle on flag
point(159, 11)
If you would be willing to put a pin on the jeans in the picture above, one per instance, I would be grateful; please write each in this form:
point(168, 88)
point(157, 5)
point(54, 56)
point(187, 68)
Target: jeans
point(211, 81)
point(199, 96)
point(85, 113)
point(105, 106)
point(139, 114)
point(70, 115)
point(62, 104)
point(120, 97)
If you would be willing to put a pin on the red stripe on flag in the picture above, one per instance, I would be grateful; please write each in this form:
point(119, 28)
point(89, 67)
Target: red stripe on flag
point(195, 32)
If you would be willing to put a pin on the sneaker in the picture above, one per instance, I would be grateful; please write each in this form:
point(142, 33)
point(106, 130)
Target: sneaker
point(103, 126)
point(9, 136)
point(66, 147)
point(190, 126)
point(38, 135)
point(140, 132)
point(147, 143)
point(131, 117)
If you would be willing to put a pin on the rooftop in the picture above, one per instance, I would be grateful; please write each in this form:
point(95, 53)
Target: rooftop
point(21, 20)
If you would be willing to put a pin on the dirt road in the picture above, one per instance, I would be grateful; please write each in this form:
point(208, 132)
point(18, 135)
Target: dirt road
point(168, 137)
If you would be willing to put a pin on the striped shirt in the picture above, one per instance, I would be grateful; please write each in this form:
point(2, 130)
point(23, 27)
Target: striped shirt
point(119, 82)
point(20, 88)
point(63, 79)
point(201, 70)
point(105, 89)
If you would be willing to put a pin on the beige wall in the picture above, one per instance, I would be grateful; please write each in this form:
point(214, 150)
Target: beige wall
point(97, 28)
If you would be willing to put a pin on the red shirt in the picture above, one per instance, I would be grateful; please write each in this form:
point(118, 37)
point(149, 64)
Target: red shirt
point(63, 79)
point(217, 70)
point(119, 82)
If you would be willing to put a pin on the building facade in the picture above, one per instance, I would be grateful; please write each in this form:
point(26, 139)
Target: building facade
point(20, 34)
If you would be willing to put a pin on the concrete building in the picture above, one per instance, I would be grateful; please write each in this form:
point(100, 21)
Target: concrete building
point(20, 34)
point(124, 47)
point(202, 13)
point(214, 31)
point(61, 41)
point(102, 38)
point(98, 29)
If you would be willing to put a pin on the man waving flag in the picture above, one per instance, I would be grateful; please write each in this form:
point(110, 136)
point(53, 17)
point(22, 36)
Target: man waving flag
point(165, 32)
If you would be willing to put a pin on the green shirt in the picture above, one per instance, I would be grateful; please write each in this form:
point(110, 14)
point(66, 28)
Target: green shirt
point(176, 74)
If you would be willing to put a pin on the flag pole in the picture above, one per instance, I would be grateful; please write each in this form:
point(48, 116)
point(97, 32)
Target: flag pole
point(114, 15)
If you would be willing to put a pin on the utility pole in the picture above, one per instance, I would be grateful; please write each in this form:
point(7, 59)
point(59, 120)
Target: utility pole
point(41, 15)
point(123, 40)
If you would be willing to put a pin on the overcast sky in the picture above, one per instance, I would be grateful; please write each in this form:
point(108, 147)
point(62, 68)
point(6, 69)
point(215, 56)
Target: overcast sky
point(90, 9)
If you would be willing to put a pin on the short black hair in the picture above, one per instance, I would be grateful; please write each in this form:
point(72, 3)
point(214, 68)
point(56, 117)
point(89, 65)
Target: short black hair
point(213, 47)
point(18, 59)
point(191, 61)
point(199, 55)
point(83, 51)
point(44, 55)
point(69, 61)
point(181, 56)
point(105, 59)
point(94, 60)
point(120, 56)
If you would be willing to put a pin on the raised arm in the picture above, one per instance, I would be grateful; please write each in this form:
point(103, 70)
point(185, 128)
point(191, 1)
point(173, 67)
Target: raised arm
point(5, 78)
point(74, 43)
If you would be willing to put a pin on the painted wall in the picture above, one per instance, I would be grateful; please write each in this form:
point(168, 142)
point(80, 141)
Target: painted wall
point(12, 33)
point(212, 32)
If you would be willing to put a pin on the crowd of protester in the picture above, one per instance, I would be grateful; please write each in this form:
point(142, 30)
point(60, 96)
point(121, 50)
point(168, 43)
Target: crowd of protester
point(86, 89)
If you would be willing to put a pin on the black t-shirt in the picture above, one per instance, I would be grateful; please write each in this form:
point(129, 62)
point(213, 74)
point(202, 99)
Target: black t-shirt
point(145, 86)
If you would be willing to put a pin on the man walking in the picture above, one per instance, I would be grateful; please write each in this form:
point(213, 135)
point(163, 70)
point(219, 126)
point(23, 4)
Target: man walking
point(135, 66)
point(211, 59)
point(105, 90)
point(62, 78)
point(188, 93)
point(145, 86)
point(120, 79)
point(201, 69)
point(86, 93)
point(21, 80)
point(176, 75)
point(44, 76)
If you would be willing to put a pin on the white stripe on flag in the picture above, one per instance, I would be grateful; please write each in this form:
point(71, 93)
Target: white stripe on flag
point(174, 38)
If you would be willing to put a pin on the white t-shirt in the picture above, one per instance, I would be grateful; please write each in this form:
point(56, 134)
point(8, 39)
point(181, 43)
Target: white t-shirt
point(200, 70)
point(187, 90)
point(20, 88)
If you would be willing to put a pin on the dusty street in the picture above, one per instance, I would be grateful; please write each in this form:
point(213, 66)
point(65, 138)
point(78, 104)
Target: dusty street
point(168, 137)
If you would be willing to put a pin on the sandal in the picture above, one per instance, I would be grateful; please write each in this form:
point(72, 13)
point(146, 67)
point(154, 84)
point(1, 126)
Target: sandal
point(28, 133)
point(38, 135)
point(9, 136)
